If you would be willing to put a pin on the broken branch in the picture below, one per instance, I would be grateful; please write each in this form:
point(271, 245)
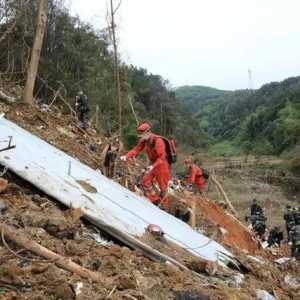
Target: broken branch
point(58, 95)
point(21, 240)
point(221, 190)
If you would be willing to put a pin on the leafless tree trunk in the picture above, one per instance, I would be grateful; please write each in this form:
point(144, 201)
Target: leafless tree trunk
point(22, 240)
point(36, 51)
point(116, 62)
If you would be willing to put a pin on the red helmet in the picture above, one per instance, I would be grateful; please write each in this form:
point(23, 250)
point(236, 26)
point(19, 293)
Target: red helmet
point(143, 128)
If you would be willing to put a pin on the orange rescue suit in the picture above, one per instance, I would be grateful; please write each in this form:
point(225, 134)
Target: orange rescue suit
point(156, 152)
point(196, 176)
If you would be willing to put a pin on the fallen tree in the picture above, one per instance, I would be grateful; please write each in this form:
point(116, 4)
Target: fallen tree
point(19, 238)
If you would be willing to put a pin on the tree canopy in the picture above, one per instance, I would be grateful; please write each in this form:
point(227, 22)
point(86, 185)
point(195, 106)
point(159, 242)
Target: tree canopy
point(266, 120)
point(77, 57)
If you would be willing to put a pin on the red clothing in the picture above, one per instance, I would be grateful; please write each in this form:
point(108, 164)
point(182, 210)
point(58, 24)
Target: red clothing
point(154, 147)
point(156, 152)
point(196, 176)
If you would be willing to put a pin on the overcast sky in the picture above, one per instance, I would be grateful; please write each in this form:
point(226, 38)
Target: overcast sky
point(206, 42)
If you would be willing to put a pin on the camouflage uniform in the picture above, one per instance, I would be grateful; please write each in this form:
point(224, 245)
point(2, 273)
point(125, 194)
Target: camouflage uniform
point(289, 221)
point(258, 222)
point(83, 109)
point(295, 237)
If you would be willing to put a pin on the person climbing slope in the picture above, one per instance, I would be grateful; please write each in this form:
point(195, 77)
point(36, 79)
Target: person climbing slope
point(159, 170)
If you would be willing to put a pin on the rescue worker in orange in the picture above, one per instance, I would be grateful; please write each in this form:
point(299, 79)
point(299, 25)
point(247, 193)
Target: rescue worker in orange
point(158, 171)
point(195, 175)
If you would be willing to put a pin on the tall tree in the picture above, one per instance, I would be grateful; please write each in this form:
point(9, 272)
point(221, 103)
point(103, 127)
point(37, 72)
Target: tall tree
point(36, 51)
point(116, 61)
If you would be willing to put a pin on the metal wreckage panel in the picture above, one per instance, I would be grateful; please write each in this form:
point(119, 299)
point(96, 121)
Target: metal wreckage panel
point(100, 199)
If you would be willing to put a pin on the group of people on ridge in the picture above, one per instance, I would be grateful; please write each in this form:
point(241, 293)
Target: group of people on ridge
point(292, 222)
point(275, 236)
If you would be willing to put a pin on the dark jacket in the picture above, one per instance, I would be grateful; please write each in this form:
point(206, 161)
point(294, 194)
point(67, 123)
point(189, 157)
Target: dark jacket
point(82, 103)
point(256, 209)
point(289, 216)
point(296, 234)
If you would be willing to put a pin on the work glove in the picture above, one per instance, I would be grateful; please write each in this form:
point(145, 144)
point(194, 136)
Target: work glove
point(149, 169)
point(123, 158)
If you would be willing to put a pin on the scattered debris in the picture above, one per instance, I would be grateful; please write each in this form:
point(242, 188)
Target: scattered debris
point(263, 295)
point(77, 287)
point(293, 282)
point(3, 206)
point(134, 276)
point(110, 206)
point(238, 279)
point(256, 259)
point(99, 239)
point(44, 107)
point(282, 260)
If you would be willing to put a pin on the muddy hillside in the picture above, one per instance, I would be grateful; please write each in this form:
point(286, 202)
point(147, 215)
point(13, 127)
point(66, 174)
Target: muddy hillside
point(92, 264)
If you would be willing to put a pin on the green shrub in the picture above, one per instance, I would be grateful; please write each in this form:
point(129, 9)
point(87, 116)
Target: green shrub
point(225, 148)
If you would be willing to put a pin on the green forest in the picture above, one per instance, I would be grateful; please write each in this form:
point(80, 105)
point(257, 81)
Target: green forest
point(263, 121)
point(76, 57)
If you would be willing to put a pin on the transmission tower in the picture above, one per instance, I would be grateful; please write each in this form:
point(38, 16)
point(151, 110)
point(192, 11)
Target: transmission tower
point(250, 80)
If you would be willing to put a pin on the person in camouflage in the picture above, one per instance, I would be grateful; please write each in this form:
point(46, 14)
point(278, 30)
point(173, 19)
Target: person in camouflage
point(82, 109)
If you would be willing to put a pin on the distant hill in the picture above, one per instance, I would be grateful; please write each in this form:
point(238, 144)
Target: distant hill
point(196, 95)
point(264, 121)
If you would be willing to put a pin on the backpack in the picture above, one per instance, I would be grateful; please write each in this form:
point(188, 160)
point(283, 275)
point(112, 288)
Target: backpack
point(205, 173)
point(170, 149)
